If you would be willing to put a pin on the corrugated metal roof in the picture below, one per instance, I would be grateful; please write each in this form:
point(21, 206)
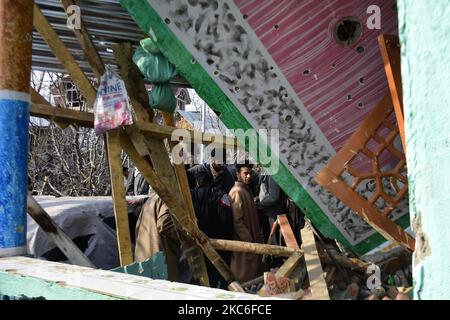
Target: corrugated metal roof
point(106, 21)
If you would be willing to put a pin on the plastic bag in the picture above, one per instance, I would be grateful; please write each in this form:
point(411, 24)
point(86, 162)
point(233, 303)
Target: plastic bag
point(156, 68)
point(111, 107)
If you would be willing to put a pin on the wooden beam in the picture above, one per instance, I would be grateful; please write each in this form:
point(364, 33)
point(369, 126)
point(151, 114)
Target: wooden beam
point(59, 237)
point(255, 248)
point(134, 82)
point(159, 131)
point(86, 119)
point(180, 173)
point(119, 200)
point(161, 165)
point(318, 285)
point(90, 52)
point(201, 239)
point(149, 174)
point(290, 264)
point(194, 255)
point(67, 116)
point(64, 56)
point(287, 232)
point(390, 52)
point(36, 97)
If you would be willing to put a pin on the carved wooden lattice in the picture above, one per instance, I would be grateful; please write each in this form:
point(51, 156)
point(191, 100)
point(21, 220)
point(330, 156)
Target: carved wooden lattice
point(370, 157)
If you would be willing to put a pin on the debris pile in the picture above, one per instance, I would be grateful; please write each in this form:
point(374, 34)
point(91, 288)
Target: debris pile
point(381, 276)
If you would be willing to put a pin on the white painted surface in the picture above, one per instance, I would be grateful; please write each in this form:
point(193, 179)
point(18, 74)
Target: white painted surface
point(16, 251)
point(114, 283)
point(14, 95)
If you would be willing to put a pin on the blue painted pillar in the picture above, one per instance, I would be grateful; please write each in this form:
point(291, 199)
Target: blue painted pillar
point(424, 34)
point(16, 22)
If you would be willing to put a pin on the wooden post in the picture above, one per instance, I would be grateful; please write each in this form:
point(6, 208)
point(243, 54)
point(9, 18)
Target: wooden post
point(287, 232)
point(82, 82)
point(159, 174)
point(86, 44)
point(61, 239)
point(15, 68)
point(250, 247)
point(64, 56)
point(118, 194)
point(318, 285)
point(390, 52)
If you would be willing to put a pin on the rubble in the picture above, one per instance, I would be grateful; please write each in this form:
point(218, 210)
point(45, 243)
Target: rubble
point(352, 280)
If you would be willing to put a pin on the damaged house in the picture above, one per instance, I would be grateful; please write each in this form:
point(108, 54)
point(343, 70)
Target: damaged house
point(335, 100)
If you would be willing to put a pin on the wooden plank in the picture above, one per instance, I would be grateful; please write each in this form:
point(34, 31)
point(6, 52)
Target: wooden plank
point(59, 237)
point(160, 131)
point(90, 52)
point(56, 281)
point(251, 247)
point(138, 146)
point(64, 56)
point(118, 194)
point(176, 206)
point(290, 265)
point(390, 52)
point(318, 285)
point(86, 119)
point(201, 239)
point(286, 231)
point(184, 219)
point(161, 163)
point(150, 175)
point(36, 97)
point(180, 172)
point(67, 116)
point(273, 231)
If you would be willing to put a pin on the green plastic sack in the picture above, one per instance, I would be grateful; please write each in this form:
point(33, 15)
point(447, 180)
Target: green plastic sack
point(162, 98)
point(158, 70)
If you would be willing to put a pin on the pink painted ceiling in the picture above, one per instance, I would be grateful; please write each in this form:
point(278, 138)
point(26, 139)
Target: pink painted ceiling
point(299, 36)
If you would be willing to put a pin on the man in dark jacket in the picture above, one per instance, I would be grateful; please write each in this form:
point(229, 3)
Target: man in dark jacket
point(215, 218)
point(217, 171)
